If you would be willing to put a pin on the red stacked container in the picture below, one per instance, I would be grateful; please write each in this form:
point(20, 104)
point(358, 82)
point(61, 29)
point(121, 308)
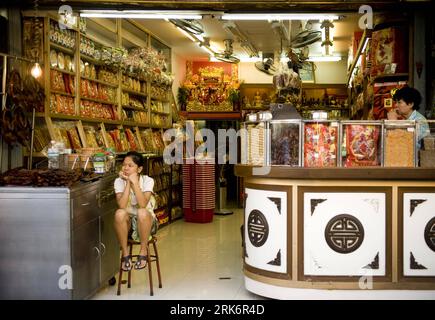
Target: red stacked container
point(198, 190)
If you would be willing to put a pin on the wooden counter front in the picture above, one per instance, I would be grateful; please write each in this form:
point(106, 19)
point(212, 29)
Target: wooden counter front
point(330, 233)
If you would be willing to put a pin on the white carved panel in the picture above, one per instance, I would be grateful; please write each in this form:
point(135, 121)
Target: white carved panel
point(266, 230)
point(419, 234)
point(355, 225)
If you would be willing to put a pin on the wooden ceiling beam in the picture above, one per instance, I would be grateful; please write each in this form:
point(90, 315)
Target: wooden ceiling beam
point(232, 5)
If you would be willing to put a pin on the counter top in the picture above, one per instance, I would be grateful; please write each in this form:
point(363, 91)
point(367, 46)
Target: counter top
point(286, 172)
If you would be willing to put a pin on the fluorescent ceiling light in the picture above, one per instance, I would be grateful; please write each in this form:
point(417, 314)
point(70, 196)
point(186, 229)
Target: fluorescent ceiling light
point(277, 16)
point(187, 34)
point(208, 50)
point(366, 41)
point(249, 59)
point(324, 58)
point(140, 14)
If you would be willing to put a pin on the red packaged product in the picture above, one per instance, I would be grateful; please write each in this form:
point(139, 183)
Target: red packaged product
point(383, 100)
point(362, 145)
point(320, 145)
point(389, 46)
point(131, 139)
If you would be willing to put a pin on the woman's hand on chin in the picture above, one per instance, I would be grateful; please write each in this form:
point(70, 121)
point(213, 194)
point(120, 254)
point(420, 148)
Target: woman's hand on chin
point(134, 178)
point(123, 176)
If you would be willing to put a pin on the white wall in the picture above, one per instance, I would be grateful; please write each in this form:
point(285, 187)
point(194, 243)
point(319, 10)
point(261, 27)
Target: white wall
point(249, 74)
point(179, 72)
point(331, 72)
point(326, 73)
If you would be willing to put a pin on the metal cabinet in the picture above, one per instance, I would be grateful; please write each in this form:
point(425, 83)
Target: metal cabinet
point(57, 243)
point(86, 259)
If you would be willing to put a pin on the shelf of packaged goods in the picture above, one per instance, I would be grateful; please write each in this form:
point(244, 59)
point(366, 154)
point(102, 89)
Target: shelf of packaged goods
point(153, 126)
point(100, 82)
point(142, 125)
point(63, 71)
point(203, 115)
point(128, 123)
point(365, 37)
point(134, 108)
point(63, 116)
point(26, 153)
point(134, 76)
point(62, 93)
point(37, 114)
point(97, 100)
point(59, 47)
point(390, 77)
point(85, 119)
point(160, 112)
point(91, 59)
point(159, 99)
point(134, 124)
point(135, 93)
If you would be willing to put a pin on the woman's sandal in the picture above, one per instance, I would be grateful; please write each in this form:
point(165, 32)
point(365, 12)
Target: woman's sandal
point(138, 263)
point(127, 263)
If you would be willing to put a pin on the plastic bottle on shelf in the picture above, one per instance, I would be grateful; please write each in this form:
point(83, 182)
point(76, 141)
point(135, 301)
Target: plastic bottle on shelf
point(53, 155)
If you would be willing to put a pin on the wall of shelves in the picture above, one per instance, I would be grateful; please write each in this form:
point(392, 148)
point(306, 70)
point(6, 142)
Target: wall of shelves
point(82, 87)
point(370, 82)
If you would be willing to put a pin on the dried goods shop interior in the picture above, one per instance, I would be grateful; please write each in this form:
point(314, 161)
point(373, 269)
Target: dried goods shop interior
point(118, 83)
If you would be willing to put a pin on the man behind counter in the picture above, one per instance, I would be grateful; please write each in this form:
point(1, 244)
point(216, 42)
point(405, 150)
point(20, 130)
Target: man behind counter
point(407, 101)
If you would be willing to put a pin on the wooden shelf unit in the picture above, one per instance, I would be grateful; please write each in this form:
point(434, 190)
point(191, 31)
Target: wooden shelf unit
point(111, 29)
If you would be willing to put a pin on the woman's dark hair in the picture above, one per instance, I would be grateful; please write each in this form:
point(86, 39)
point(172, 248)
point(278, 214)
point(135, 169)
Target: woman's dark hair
point(136, 157)
point(408, 95)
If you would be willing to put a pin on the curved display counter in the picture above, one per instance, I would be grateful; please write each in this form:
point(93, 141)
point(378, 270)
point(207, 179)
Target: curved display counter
point(339, 233)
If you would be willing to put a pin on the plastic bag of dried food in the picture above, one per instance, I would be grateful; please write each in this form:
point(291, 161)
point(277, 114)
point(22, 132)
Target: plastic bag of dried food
point(91, 137)
point(320, 147)
point(131, 139)
point(285, 144)
point(74, 138)
point(362, 145)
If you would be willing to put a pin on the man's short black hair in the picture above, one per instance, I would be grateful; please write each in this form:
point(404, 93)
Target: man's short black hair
point(408, 95)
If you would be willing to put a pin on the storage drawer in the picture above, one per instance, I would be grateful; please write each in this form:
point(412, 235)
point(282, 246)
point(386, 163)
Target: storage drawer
point(85, 206)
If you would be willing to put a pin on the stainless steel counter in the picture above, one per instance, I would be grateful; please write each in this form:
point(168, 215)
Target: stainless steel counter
point(57, 243)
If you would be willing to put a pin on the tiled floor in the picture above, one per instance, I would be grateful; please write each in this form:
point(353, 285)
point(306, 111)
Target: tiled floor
point(193, 258)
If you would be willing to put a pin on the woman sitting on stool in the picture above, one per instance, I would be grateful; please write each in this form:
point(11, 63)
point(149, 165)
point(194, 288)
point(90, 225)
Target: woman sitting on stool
point(135, 201)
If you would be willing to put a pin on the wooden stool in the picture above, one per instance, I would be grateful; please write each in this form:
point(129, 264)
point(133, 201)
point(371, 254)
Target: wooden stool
point(151, 258)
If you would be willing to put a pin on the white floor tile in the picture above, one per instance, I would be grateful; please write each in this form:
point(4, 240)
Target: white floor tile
point(198, 261)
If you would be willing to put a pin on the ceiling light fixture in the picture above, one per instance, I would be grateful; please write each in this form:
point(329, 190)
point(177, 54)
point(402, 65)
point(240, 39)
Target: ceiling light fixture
point(187, 34)
point(141, 14)
point(277, 16)
point(208, 50)
point(324, 58)
point(232, 28)
point(36, 70)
